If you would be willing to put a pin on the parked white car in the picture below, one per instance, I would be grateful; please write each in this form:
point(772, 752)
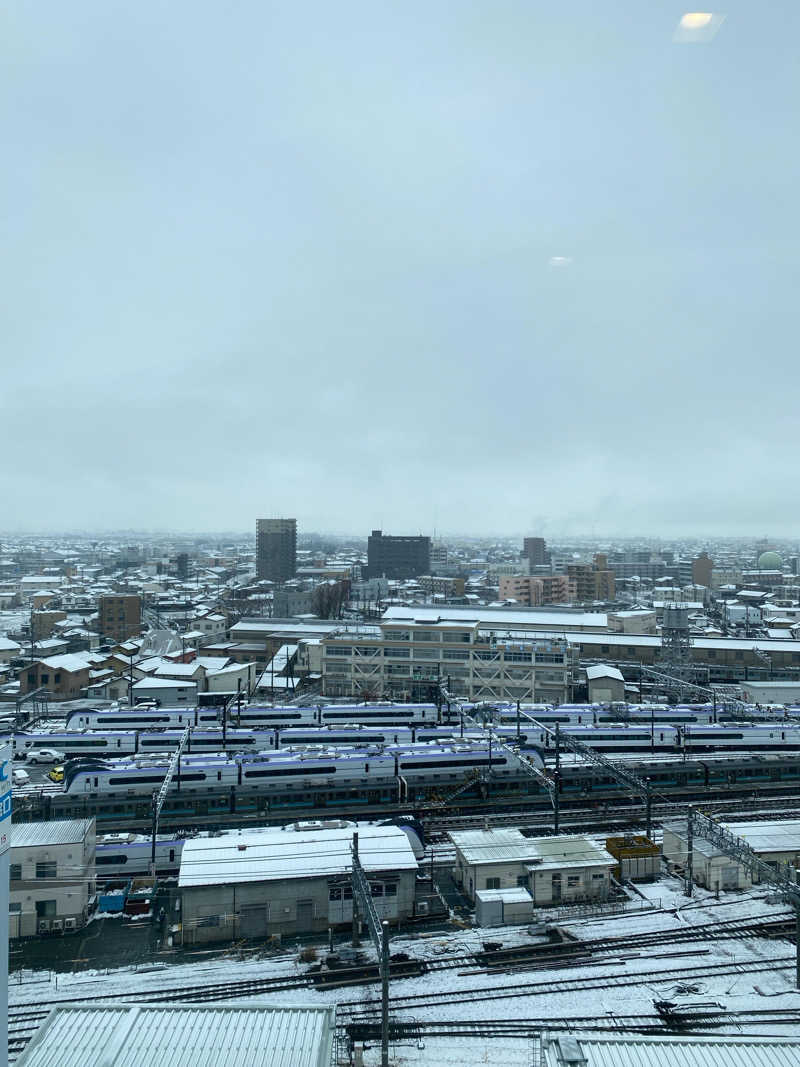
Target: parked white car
point(20, 777)
point(45, 755)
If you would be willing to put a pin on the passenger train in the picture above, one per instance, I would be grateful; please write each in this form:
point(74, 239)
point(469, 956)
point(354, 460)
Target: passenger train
point(616, 737)
point(278, 772)
point(253, 716)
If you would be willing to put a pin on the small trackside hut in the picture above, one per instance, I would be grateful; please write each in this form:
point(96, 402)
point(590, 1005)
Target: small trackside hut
point(565, 869)
point(292, 880)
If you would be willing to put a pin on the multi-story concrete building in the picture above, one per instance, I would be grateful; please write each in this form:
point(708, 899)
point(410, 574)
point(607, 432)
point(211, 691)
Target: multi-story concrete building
point(535, 550)
point(539, 589)
point(409, 659)
point(438, 585)
point(702, 568)
point(397, 557)
point(119, 617)
point(52, 870)
point(276, 549)
point(593, 581)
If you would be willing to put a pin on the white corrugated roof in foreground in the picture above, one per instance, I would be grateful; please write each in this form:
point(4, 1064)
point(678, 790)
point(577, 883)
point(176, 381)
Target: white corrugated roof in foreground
point(225, 1035)
point(56, 832)
point(545, 853)
point(266, 855)
point(657, 1051)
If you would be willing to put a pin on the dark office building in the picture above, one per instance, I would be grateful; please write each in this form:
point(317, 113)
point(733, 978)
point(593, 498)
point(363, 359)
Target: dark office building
point(276, 549)
point(534, 549)
point(397, 557)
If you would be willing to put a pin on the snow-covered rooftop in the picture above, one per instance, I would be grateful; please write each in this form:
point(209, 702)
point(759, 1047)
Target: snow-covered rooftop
point(229, 1035)
point(267, 855)
point(546, 853)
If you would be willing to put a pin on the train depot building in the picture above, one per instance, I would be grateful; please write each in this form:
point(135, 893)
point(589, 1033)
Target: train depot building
point(568, 868)
point(776, 842)
point(293, 880)
point(52, 871)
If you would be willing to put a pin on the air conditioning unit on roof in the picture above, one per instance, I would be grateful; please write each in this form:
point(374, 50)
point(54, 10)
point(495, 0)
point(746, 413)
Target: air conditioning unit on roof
point(44, 926)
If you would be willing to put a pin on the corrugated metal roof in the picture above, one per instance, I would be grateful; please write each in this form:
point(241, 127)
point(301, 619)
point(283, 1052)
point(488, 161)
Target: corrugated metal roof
point(266, 855)
point(57, 832)
point(511, 846)
point(194, 1035)
point(778, 835)
point(657, 1051)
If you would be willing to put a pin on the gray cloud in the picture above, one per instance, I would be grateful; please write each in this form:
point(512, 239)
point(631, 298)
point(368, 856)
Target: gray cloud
point(300, 260)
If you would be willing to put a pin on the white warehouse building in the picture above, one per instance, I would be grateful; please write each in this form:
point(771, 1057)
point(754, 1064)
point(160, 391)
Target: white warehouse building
point(291, 880)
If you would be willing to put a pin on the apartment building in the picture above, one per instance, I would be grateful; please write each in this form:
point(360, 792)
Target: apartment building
point(397, 557)
point(534, 549)
point(119, 617)
point(539, 589)
point(276, 549)
point(440, 585)
point(593, 581)
point(409, 659)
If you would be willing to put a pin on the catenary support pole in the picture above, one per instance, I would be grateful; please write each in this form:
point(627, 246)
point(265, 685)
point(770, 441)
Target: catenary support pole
point(6, 758)
point(385, 994)
point(689, 852)
point(648, 811)
point(355, 939)
point(797, 944)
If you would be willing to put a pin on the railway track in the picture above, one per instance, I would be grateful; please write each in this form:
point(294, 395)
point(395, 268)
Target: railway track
point(670, 975)
point(543, 956)
point(685, 1021)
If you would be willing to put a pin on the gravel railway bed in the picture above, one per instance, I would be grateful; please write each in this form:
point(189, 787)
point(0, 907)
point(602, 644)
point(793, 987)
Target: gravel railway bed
point(415, 1001)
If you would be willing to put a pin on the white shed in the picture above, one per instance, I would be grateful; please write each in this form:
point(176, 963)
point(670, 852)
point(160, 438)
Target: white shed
point(503, 907)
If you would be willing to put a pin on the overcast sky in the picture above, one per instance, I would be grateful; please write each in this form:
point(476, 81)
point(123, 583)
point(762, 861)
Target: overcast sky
point(478, 267)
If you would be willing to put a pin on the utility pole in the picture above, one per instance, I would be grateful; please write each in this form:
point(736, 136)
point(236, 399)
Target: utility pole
point(689, 853)
point(379, 932)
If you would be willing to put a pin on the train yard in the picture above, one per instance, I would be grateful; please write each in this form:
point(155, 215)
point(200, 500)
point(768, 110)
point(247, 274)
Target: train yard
point(656, 972)
point(654, 963)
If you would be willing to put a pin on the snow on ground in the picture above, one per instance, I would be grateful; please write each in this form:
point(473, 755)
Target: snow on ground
point(475, 996)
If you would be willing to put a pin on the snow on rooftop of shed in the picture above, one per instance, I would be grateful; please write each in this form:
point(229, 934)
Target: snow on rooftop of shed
point(226, 1035)
point(780, 835)
point(603, 670)
point(270, 854)
point(546, 853)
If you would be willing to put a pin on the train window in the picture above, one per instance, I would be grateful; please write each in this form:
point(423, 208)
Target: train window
point(100, 860)
point(95, 783)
